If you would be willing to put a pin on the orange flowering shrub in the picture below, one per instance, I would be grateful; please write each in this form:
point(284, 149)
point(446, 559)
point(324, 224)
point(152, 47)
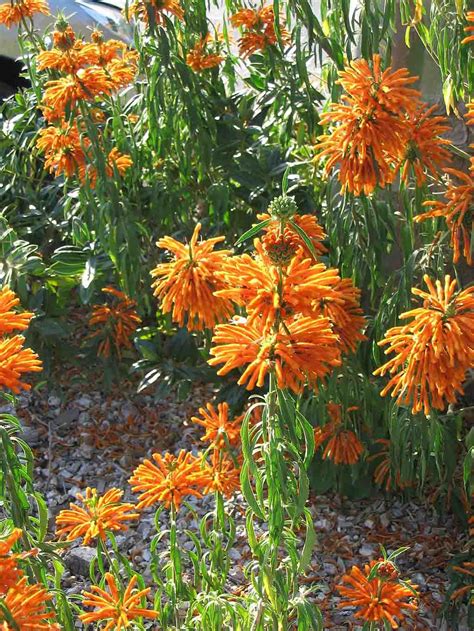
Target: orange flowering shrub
point(115, 323)
point(27, 606)
point(343, 445)
point(434, 350)
point(376, 596)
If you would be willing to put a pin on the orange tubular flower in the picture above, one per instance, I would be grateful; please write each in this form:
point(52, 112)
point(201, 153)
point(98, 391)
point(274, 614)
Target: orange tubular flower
point(258, 29)
point(26, 605)
point(116, 323)
point(96, 516)
point(383, 471)
point(186, 285)
point(64, 149)
point(224, 476)
point(221, 432)
point(457, 212)
point(377, 599)
point(198, 59)
point(253, 283)
point(368, 126)
point(142, 9)
point(308, 223)
point(14, 12)
point(425, 151)
point(302, 352)
point(433, 351)
point(14, 361)
point(342, 307)
point(469, 28)
point(11, 320)
point(116, 609)
point(170, 480)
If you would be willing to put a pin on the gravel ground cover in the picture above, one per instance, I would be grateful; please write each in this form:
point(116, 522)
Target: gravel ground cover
point(94, 439)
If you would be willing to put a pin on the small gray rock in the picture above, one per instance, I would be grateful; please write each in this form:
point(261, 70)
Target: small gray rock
point(78, 560)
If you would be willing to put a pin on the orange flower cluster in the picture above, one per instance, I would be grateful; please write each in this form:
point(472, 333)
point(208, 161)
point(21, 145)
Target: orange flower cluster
point(14, 12)
point(380, 126)
point(199, 58)
point(343, 446)
point(469, 28)
point(14, 359)
point(115, 323)
point(25, 604)
point(258, 29)
point(169, 479)
point(154, 11)
point(97, 515)
point(186, 285)
point(379, 597)
point(434, 350)
point(115, 608)
point(223, 436)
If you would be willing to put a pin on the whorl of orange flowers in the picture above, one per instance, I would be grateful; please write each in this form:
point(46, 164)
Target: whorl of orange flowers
point(68, 54)
point(199, 58)
point(117, 608)
point(279, 228)
point(369, 125)
point(27, 607)
point(267, 293)
point(157, 9)
point(221, 431)
point(301, 352)
point(457, 211)
point(223, 475)
point(377, 599)
point(115, 323)
point(186, 285)
point(434, 350)
point(469, 28)
point(63, 148)
point(343, 446)
point(425, 150)
point(17, 10)
point(169, 479)
point(97, 515)
point(258, 27)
